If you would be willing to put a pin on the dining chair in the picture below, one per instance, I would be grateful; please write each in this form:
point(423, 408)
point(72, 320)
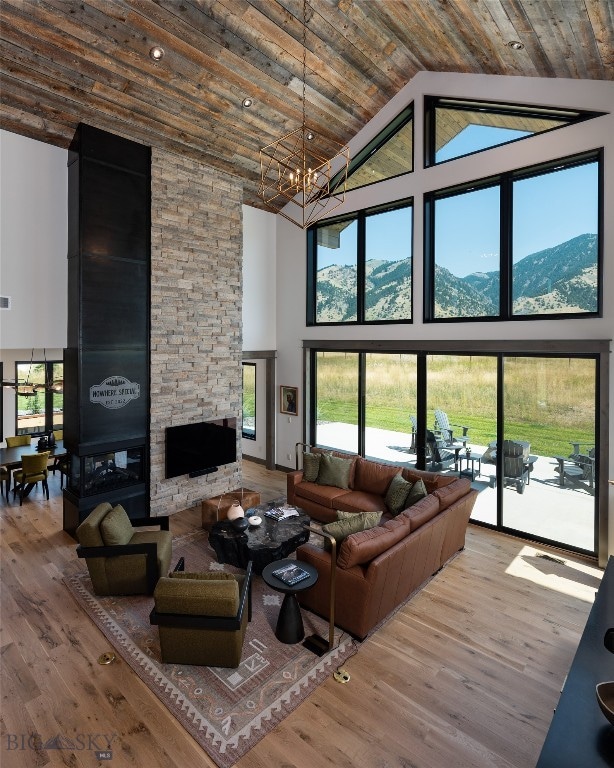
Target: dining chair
point(33, 469)
point(5, 482)
point(17, 440)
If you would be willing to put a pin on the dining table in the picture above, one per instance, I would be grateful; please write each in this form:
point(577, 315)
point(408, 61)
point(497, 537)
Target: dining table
point(11, 457)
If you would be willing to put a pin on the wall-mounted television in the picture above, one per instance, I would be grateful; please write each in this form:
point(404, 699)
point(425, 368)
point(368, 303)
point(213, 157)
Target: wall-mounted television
point(198, 449)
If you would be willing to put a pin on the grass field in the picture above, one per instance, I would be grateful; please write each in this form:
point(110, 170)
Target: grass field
point(548, 402)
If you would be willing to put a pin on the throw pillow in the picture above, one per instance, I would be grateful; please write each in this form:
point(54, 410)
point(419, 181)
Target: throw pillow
point(116, 527)
point(417, 492)
point(397, 493)
point(353, 523)
point(334, 471)
point(311, 466)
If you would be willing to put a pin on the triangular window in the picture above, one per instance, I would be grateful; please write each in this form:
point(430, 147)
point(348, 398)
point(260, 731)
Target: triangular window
point(388, 155)
point(458, 127)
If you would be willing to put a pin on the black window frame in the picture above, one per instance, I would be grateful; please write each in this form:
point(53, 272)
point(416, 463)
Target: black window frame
point(399, 122)
point(360, 217)
point(47, 394)
point(505, 182)
point(244, 434)
point(431, 103)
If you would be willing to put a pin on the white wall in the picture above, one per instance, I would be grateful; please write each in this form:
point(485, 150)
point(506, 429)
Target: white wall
point(33, 250)
point(291, 256)
point(259, 279)
point(33, 243)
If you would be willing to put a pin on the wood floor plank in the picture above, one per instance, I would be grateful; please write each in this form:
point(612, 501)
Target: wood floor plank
point(466, 674)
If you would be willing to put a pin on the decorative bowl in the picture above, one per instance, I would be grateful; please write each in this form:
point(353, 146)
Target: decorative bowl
point(605, 697)
point(254, 520)
point(240, 523)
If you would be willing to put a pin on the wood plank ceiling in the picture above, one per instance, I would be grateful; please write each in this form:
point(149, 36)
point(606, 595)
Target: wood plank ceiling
point(68, 61)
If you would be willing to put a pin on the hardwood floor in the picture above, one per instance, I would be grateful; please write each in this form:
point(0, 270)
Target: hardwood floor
point(466, 674)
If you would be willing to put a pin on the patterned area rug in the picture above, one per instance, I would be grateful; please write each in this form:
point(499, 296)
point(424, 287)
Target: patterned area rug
point(227, 711)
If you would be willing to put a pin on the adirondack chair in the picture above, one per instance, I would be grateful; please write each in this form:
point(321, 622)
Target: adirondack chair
point(446, 429)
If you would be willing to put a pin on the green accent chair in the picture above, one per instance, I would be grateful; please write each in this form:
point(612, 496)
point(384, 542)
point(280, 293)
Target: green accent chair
point(120, 559)
point(33, 470)
point(202, 617)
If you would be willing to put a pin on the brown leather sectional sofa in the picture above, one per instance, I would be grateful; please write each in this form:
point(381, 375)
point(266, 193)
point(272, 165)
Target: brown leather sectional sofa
point(378, 569)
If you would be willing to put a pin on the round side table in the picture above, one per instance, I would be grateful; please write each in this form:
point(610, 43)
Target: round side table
point(289, 627)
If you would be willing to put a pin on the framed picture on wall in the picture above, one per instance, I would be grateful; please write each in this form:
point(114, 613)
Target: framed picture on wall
point(288, 400)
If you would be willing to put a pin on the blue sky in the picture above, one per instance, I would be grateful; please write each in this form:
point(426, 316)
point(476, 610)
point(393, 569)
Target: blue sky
point(548, 210)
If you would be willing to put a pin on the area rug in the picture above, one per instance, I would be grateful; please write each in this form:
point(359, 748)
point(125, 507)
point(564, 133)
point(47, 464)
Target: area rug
point(227, 711)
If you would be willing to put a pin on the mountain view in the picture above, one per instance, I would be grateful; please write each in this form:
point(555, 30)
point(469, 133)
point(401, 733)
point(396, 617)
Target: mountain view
point(559, 279)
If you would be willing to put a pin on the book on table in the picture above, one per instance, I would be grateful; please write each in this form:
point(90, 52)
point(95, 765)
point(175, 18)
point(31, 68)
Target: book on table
point(291, 574)
point(281, 513)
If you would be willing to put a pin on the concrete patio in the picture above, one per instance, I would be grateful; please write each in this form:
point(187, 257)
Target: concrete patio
point(565, 515)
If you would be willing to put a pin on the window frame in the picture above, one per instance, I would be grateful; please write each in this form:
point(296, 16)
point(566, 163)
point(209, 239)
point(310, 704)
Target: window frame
point(377, 142)
point(48, 395)
point(505, 182)
point(312, 265)
point(249, 435)
point(431, 103)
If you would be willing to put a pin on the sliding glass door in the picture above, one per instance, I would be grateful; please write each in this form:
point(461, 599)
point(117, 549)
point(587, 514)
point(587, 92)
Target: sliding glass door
point(549, 449)
point(523, 429)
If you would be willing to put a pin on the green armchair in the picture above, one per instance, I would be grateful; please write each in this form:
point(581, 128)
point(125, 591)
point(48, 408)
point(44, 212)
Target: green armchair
point(202, 617)
point(120, 559)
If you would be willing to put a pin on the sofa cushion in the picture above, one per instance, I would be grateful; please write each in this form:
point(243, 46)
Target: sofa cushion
point(397, 493)
point(373, 477)
point(116, 527)
point(341, 455)
point(431, 480)
point(418, 491)
point(359, 501)
point(360, 548)
point(421, 512)
point(353, 523)
point(325, 495)
point(311, 466)
point(451, 493)
point(334, 471)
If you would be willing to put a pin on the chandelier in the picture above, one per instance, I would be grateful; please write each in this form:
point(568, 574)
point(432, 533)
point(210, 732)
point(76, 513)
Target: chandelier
point(294, 171)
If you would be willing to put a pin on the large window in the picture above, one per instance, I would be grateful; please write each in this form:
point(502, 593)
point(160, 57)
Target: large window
point(39, 404)
point(360, 268)
point(248, 428)
point(458, 127)
point(523, 428)
point(524, 244)
point(388, 155)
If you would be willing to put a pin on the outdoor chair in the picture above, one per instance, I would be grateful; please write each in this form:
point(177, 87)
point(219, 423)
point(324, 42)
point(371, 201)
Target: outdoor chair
point(202, 617)
point(414, 432)
point(516, 468)
point(120, 559)
point(436, 454)
point(446, 429)
point(578, 467)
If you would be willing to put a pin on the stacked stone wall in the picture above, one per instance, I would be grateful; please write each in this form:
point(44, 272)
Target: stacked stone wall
point(196, 289)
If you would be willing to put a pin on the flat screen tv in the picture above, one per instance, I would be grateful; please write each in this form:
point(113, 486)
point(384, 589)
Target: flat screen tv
point(198, 449)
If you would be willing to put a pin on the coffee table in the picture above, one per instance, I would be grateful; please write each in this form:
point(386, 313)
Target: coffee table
point(289, 627)
point(271, 540)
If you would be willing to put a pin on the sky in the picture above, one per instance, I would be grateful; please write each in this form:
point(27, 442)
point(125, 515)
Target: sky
point(548, 210)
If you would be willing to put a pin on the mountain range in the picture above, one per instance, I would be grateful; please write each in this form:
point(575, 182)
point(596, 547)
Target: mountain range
point(558, 279)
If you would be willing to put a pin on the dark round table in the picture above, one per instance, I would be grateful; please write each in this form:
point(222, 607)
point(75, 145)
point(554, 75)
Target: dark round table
point(289, 628)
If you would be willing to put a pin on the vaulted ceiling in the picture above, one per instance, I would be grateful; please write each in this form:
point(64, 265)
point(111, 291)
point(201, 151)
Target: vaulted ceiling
point(68, 61)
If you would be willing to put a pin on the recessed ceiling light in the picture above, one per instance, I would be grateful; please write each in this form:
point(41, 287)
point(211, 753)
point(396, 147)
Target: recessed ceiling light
point(515, 45)
point(310, 136)
point(156, 53)
point(247, 102)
